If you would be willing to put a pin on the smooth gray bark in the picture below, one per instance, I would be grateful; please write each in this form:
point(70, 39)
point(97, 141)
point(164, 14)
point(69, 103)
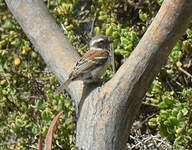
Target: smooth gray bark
point(107, 114)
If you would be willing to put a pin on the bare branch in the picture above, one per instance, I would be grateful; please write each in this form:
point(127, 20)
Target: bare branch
point(106, 114)
point(106, 119)
point(47, 38)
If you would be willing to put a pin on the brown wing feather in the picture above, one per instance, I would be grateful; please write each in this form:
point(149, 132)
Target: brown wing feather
point(94, 54)
point(85, 65)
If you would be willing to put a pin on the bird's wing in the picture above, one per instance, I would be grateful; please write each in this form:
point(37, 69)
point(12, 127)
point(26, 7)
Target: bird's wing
point(85, 64)
point(89, 61)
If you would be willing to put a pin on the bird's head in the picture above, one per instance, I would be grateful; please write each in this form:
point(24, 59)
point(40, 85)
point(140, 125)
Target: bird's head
point(100, 42)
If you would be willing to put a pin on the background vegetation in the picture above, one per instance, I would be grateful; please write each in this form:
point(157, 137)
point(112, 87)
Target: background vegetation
point(27, 102)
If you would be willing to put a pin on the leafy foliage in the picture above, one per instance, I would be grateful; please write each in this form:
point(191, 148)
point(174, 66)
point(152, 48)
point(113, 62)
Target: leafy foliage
point(174, 118)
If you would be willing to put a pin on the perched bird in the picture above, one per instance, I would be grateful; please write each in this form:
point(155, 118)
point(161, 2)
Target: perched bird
point(90, 67)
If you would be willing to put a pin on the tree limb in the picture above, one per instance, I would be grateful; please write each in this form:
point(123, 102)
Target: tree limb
point(48, 39)
point(107, 113)
point(106, 119)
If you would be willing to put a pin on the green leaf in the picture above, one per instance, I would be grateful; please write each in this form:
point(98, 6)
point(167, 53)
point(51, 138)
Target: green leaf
point(184, 111)
point(8, 25)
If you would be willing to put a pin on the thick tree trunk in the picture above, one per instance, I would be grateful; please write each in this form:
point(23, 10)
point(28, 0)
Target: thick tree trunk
point(107, 113)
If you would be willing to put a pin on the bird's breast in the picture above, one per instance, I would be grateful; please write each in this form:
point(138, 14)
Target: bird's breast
point(98, 71)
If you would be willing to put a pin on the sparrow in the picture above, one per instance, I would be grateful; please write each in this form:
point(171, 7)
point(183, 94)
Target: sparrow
point(91, 66)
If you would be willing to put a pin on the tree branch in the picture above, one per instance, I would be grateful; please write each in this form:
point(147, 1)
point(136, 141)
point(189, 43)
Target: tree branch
point(106, 119)
point(106, 114)
point(48, 39)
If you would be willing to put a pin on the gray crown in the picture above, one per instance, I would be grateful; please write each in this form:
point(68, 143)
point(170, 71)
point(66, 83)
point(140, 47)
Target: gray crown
point(100, 42)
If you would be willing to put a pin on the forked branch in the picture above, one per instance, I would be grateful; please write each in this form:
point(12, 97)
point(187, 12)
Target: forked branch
point(106, 114)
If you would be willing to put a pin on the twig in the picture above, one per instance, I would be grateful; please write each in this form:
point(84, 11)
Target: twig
point(150, 105)
point(171, 87)
point(48, 3)
point(93, 24)
point(63, 27)
point(185, 72)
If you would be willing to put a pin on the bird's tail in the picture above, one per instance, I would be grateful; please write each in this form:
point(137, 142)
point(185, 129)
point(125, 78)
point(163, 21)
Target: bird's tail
point(62, 87)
